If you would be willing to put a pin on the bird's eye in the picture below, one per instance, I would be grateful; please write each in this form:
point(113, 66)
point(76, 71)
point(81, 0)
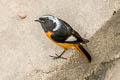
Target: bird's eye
point(47, 18)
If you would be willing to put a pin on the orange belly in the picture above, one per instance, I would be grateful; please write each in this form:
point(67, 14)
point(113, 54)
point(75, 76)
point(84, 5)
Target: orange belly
point(64, 45)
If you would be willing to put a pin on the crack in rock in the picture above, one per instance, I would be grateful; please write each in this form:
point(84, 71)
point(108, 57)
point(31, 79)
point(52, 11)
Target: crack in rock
point(102, 69)
point(38, 71)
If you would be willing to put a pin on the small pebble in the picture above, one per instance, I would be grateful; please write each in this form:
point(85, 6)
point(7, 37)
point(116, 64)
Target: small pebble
point(21, 15)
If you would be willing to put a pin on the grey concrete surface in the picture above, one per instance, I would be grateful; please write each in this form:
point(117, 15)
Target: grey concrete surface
point(109, 68)
point(113, 73)
point(104, 47)
point(25, 50)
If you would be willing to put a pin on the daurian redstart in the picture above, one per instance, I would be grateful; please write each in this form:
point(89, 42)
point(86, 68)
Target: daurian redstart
point(61, 33)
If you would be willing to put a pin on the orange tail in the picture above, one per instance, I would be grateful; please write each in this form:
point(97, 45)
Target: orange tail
point(81, 49)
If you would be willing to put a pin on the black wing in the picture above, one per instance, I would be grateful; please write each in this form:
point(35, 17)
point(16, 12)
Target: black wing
point(76, 34)
point(80, 39)
point(62, 33)
point(66, 34)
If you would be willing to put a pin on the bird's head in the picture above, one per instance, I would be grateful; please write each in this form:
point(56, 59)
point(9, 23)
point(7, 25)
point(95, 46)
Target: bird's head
point(49, 23)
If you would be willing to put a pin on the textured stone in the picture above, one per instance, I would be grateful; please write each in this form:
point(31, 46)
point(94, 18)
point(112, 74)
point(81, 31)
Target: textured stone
point(25, 50)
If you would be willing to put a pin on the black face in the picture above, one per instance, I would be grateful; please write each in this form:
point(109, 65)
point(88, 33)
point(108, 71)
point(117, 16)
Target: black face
point(46, 23)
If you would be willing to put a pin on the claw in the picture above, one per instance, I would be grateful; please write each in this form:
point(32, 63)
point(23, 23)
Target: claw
point(57, 57)
point(56, 54)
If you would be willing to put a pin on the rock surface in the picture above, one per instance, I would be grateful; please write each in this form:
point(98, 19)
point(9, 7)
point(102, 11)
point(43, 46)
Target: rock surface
point(104, 47)
point(25, 50)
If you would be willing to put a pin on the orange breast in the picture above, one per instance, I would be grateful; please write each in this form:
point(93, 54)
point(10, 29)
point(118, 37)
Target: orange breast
point(49, 34)
point(64, 45)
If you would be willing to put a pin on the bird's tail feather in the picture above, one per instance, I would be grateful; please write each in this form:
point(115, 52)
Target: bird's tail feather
point(82, 50)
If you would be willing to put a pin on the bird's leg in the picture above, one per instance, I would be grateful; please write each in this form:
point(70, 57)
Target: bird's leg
point(59, 56)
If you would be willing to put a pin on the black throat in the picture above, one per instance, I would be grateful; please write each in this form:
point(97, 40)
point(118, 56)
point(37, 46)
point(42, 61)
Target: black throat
point(48, 27)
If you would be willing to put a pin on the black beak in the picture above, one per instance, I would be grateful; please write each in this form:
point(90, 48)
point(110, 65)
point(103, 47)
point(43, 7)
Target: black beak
point(37, 20)
point(41, 20)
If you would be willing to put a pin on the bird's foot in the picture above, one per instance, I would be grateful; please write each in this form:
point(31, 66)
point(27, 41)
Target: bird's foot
point(57, 57)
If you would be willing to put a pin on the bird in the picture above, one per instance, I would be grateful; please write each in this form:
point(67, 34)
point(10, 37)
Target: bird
point(61, 33)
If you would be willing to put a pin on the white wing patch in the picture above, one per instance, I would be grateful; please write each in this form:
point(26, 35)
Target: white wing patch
point(71, 38)
point(54, 19)
point(58, 24)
